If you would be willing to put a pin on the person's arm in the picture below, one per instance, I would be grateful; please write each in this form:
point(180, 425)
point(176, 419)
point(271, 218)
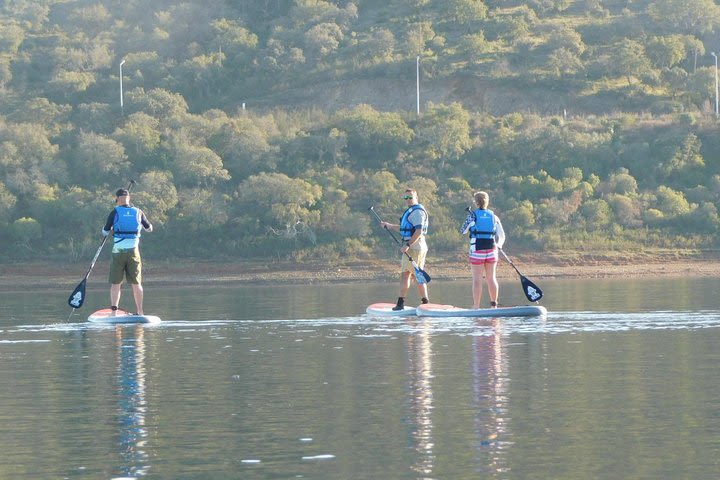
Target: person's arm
point(146, 225)
point(499, 233)
point(469, 222)
point(108, 224)
point(390, 226)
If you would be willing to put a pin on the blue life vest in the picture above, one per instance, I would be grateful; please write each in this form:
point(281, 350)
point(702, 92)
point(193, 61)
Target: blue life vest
point(127, 222)
point(406, 228)
point(484, 225)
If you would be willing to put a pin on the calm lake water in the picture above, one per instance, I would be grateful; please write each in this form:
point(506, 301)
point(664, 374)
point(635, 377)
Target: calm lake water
point(620, 380)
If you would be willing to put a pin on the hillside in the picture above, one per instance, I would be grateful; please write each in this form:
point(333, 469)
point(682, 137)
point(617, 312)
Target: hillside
point(266, 128)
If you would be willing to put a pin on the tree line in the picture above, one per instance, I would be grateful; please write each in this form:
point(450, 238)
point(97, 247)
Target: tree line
point(634, 163)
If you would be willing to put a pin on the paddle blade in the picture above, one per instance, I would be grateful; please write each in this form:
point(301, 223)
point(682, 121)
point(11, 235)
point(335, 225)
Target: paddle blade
point(77, 297)
point(532, 291)
point(421, 275)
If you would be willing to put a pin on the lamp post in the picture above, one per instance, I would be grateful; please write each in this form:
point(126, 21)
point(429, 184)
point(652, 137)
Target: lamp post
point(122, 106)
point(417, 82)
point(717, 112)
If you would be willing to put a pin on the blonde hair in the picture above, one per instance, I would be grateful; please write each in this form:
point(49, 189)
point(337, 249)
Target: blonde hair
point(482, 199)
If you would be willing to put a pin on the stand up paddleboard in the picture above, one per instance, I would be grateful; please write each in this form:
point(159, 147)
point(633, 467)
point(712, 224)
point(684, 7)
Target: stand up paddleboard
point(386, 310)
point(121, 316)
point(436, 310)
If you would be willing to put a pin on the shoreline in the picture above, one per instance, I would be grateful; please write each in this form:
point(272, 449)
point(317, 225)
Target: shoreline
point(187, 273)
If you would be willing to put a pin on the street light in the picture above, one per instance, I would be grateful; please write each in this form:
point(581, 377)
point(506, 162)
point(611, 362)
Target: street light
point(417, 82)
point(717, 112)
point(122, 106)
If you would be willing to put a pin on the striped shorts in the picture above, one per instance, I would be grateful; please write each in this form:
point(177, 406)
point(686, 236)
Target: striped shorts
point(481, 257)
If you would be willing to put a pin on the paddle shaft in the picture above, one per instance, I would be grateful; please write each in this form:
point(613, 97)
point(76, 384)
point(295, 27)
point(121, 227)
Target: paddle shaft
point(399, 242)
point(97, 254)
point(509, 261)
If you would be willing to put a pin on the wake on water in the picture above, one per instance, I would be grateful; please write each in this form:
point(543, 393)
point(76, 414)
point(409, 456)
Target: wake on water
point(367, 326)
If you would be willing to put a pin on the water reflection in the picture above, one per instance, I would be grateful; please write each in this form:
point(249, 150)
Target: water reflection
point(421, 396)
point(132, 403)
point(490, 394)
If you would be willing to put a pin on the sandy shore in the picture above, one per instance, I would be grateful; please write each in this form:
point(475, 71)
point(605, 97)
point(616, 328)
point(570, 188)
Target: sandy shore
point(49, 275)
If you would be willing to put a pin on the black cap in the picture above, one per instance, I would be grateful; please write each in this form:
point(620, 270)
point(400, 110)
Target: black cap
point(121, 192)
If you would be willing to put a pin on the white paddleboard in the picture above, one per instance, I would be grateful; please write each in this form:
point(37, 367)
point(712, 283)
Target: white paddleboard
point(386, 310)
point(121, 316)
point(437, 310)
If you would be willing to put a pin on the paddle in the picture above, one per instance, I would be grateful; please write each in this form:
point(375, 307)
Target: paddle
point(532, 291)
point(420, 275)
point(77, 297)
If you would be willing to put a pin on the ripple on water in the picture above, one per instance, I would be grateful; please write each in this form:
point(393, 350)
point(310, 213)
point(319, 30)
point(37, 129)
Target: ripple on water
point(369, 327)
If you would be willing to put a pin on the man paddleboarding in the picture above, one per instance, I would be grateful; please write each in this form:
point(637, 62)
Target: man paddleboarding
point(413, 227)
point(126, 223)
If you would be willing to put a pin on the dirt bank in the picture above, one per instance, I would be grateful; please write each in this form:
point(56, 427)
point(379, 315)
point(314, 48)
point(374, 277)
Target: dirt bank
point(50, 275)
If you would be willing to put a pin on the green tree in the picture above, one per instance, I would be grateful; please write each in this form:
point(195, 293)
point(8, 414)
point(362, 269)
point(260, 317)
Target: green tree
point(630, 59)
point(203, 209)
point(7, 203)
point(375, 137)
point(323, 39)
point(378, 47)
point(671, 203)
point(237, 42)
point(597, 214)
point(65, 82)
point(99, 160)
point(686, 161)
point(196, 165)
point(41, 111)
point(157, 194)
point(27, 231)
point(28, 158)
point(246, 144)
point(381, 189)
point(689, 16)
point(620, 182)
point(140, 134)
point(520, 217)
point(93, 116)
point(159, 103)
point(704, 218)
point(666, 51)
point(279, 201)
point(564, 62)
point(476, 47)
point(464, 12)
point(11, 37)
point(626, 210)
point(444, 131)
point(201, 78)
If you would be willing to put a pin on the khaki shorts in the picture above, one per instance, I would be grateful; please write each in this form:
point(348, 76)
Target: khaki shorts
point(417, 255)
point(126, 264)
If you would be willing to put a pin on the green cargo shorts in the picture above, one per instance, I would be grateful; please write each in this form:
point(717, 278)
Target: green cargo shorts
point(128, 264)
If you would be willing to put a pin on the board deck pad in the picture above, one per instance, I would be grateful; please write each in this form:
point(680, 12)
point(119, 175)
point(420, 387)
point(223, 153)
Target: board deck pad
point(438, 310)
point(386, 310)
point(121, 316)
